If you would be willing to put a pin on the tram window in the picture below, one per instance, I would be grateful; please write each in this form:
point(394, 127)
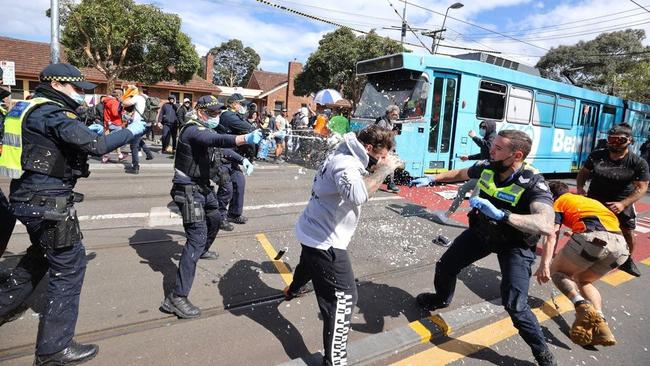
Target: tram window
point(491, 100)
point(520, 103)
point(608, 109)
point(544, 108)
point(564, 112)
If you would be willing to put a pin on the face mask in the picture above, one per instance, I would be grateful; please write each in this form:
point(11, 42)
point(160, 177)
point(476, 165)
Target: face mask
point(371, 162)
point(482, 132)
point(242, 109)
point(78, 98)
point(499, 166)
point(212, 122)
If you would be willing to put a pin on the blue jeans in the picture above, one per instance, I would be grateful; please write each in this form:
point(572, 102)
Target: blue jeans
point(136, 144)
point(515, 264)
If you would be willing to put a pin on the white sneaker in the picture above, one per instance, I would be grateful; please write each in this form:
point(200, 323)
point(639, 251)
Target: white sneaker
point(140, 154)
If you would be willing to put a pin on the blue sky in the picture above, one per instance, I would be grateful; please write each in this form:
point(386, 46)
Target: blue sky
point(279, 36)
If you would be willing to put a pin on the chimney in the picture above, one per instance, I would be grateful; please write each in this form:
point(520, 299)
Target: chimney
point(293, 103)
point(209, 66)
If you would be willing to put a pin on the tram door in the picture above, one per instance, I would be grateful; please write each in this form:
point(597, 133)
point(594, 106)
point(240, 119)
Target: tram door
point(445, 95)
point(587, 124)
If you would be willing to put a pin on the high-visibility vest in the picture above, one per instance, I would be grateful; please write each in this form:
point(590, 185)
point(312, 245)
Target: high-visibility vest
point(12, 145)
point(510, 194)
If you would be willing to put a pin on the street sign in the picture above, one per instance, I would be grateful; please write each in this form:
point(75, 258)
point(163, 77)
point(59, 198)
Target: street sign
point(8, 72)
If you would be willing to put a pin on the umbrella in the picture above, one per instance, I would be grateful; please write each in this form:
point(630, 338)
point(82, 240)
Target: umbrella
point(327, 96)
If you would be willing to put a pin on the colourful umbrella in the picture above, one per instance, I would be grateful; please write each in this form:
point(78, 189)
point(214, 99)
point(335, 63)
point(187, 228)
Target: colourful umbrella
point(327, 96)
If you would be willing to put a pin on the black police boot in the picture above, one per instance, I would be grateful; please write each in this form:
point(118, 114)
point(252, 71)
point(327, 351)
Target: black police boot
point(209, 255)
point(132, 170)
point(149, 156)
point(74, 354)
point(180, 306)
point(430, 301)
point(629, 267)
point(226, 226)
point(546, 358)
point(392, 187)
point(14, 314)
point(241, 219)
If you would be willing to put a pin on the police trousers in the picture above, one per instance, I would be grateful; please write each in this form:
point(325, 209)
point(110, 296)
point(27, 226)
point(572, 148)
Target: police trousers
point(336, 292)
point(65, 269)
point(515, 264)
point(200, 234)
point(231, 194)
point(7, 223)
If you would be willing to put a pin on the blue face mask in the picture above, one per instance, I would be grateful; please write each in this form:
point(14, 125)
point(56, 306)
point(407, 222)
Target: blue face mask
point(482, 132)
point(212, 122)
point(78, 98)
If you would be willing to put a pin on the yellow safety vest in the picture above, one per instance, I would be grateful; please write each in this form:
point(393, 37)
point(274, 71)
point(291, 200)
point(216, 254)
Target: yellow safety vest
point(510, 194)
point(12, 146)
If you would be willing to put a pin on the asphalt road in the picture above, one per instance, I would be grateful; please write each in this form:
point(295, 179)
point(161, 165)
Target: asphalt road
point(134, 240)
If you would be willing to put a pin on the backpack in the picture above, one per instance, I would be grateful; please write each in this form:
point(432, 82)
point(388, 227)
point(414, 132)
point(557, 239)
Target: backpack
point(151, 108)
point(295, 120)
point(94, 114)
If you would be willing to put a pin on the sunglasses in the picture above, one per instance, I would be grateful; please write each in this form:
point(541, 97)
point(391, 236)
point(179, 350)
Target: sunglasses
point(617, 140)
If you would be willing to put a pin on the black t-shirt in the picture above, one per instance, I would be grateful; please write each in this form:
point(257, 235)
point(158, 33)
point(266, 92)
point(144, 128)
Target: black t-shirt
point(612, 180)
point(538, 190)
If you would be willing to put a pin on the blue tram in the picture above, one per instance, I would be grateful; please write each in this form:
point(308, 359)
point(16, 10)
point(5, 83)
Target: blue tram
point(442, 98)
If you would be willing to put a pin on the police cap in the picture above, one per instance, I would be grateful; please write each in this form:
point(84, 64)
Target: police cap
point(209, 102)
point(236, 98)
point(65, 73)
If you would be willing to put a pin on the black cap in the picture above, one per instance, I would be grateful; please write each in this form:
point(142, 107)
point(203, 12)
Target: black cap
point(235, 98)
point(209, 102)
point(65, 73)
point(4, 93)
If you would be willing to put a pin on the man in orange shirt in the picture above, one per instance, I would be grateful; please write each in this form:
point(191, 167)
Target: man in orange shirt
point(596, 247)
point(113, 118)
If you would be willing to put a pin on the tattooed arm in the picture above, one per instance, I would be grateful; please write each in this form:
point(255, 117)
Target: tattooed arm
point(383, 168)
point(539, 221)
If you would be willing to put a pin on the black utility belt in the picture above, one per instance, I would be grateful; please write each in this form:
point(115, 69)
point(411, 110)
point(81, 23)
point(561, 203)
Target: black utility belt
point(203, 188)
point(50, 201)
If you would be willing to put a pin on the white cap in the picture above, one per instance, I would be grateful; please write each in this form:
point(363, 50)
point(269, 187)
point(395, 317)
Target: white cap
point(186, 100)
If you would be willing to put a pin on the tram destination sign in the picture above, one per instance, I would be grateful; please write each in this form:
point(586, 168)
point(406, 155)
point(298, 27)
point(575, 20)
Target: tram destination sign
point(382, 64)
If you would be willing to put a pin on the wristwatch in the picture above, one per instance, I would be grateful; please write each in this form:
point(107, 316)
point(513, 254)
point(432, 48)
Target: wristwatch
point(506, 216)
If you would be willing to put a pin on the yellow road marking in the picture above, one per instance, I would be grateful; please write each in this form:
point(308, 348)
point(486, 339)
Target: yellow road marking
point(284, 272)
point(459, 348)
point(421, 330)
point(616, 278)
point(646, 261)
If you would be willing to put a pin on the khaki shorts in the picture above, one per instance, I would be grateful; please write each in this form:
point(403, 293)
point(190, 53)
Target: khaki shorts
point(599, 251)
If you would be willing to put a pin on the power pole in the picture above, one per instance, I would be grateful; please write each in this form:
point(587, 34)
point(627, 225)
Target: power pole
point(54, 22)
point(434, 38)
point(403, 25)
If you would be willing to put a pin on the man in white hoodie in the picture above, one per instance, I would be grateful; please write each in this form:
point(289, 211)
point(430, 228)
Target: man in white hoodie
point(345, 180)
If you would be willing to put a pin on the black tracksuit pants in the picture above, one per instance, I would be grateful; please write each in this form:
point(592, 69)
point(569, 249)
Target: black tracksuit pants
point(331, 274)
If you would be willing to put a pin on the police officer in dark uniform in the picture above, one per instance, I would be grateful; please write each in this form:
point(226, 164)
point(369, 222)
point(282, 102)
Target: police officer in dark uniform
point(228, 172)
point(7, 219)
point(231, 196)
point(197, 161)
point(55, 149)
point(513, 211)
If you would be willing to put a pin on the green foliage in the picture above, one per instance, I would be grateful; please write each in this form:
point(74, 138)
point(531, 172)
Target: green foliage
point(589, 64)
point(333, 64)
point(233, 63)
point(636, 83)
point(124, 40)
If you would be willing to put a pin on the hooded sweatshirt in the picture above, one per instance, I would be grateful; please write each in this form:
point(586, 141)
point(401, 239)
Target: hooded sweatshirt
point(332, 214)
point(485, 142)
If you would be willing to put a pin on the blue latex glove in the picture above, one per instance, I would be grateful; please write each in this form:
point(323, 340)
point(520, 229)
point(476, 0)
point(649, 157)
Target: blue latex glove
point(248, 167)
point(487, 208)
point(136, 128)
point(97, 128)
point(422, 182)
point(254, 137)
point(281, 134)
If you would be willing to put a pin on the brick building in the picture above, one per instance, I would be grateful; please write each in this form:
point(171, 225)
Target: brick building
point(277, 89)
point(31, 57)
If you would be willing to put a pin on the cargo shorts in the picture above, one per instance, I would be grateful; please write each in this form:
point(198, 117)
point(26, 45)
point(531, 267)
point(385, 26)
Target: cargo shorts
point(599, 251)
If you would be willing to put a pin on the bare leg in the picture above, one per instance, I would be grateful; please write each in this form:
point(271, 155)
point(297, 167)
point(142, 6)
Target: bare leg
point(588, 290)
point(628, 234)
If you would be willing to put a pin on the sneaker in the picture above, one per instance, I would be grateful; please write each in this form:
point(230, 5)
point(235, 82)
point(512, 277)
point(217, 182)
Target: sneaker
point(602, 334)
point(181, 306)
point(587, 319)
point(132, 170)
point(546, 358)
point(241, 219)
point(209, 255)
point(150, 157)
point(629, 267)
point(122, 156)
point(430, 301)
point(288, 296)
point(392, 187)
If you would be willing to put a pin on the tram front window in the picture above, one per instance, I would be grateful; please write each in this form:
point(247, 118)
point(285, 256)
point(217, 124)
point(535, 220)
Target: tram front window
point(406, 89)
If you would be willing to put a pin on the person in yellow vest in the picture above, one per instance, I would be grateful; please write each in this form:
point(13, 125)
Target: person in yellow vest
point(7, 219)
point(596, 247)
point(50, 156)
point(513, 211)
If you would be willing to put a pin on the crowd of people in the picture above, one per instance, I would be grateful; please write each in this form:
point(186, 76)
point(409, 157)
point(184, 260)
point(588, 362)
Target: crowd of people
point(46, 147)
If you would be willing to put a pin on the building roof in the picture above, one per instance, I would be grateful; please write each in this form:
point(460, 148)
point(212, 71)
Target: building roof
point(266, 80)
point(246, 92)
point(31, 57)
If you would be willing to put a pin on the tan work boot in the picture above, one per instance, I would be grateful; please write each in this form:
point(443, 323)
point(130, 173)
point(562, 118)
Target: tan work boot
point(582, 330)
point(602, 334)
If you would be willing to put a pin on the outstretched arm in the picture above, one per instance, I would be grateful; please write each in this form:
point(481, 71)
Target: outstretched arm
point(539, 221)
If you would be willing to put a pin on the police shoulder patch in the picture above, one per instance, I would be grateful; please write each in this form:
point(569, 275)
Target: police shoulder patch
point(70, 115)
point(201, 128)
point(542, 186)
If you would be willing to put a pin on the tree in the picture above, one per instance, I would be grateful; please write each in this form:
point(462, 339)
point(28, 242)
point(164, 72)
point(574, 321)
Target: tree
point(233, 64)
point(598, 63)
point(333, 64)
point(124, 40)
point(635, 83)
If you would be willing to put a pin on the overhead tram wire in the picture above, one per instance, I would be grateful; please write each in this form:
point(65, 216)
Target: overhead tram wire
point(408, 26)
point(473, 25)
point(640, 6)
